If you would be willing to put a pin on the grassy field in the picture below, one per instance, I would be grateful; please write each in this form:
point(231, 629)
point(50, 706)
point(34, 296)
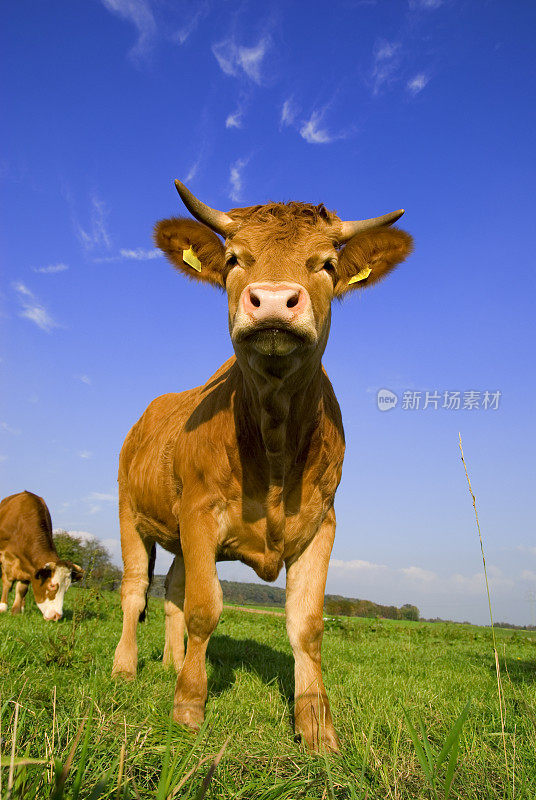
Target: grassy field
point(53, 676)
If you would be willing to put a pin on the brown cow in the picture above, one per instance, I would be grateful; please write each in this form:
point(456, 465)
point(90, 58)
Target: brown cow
point(28, 555)
point(246, 466)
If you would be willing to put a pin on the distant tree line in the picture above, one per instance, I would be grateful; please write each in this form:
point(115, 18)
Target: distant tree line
point(92, 556)
point(258, 594)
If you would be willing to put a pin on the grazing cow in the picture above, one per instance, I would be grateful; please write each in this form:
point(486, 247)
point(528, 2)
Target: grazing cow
point(246, 466)
point(28, 555)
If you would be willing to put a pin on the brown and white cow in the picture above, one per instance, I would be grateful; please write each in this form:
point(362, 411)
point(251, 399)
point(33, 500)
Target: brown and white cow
point(246, 466)
point(28, 555)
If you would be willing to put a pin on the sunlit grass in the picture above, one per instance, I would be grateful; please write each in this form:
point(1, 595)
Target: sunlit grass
point(373, 670)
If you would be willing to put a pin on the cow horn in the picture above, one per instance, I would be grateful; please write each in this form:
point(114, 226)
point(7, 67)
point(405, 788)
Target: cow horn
point(350, 228)
point(217, 220)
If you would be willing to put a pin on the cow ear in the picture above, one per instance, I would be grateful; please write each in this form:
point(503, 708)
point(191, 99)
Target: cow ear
point(46, 571)
point(192, 248)
point(77, 573)
point(370, 256)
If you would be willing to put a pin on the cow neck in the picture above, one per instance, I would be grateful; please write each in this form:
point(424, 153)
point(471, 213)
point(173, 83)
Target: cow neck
point(285, 412)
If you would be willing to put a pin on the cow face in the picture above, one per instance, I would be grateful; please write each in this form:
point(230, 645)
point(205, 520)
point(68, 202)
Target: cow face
point(50, 583)
point(281, 266)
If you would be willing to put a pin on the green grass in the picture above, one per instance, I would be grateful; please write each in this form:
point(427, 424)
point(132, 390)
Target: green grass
point(376, 673)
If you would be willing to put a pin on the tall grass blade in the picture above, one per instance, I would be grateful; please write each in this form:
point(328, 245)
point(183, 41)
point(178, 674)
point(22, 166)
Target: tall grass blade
point(421, 755)
point(497, 666)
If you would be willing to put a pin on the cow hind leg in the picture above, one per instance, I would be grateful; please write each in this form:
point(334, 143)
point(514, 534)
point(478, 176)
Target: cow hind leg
point(174, 608)
point(202, 610)
point(6, 588)
point(136, 556)
point(306, 580)
point(20, 597)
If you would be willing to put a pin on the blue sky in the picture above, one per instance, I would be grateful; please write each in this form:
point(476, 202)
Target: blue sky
point(365, 106)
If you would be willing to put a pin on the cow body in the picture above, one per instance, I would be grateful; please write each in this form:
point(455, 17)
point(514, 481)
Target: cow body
point(28, 556)
point(246, 467)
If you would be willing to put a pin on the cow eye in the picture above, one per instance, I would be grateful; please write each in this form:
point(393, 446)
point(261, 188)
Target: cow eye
point(329, 266)
point(231, 261)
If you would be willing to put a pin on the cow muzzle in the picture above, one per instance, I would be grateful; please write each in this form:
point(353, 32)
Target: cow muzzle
point(274, 318)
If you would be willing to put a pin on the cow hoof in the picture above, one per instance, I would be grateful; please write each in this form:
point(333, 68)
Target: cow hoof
point(318, 739)
point(191, 715)
point(3, 607)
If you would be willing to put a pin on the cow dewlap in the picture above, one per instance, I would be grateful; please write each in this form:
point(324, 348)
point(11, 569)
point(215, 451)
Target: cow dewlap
point(361, 275)
point(190, 258)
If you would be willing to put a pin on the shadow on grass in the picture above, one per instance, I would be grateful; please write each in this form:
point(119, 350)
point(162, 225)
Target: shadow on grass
point(226, 654)
point(518, 670)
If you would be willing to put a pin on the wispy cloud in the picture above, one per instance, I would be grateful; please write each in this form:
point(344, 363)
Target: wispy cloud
point(312, 132)
point(106, 497)
point(190, 25)
point(237, 60)
point(85, 454)
point(425, 580)
point(236, 179)
point(425, 4)
point(289, 112)
point(96, 234)
point(3, 457)
point(137, 254)
point(386, 60)
point(235, 119)
point(5, 428)
point(417, 83)
point(84, 379)
point(32, 309)
point(139, 13)
point(51, 269)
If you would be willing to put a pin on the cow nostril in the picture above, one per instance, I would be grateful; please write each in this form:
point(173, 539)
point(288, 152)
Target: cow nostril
point(293, 300)
point(254, 300)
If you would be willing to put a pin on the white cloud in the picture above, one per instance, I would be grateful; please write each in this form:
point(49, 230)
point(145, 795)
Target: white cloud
point(313, 133)
point(417, 84)
point(235, 59)
point(386, 60)
point(3, 457)
point(236, 180)
point(97, 234)
point(235, 119)
point(106, 497)
point(189, 27)
point(125, 254)
point(139, 254)
point(526, 548)
point(85, 379)
point(51, 269)
point(426, 4)
point(85, 454)
point(288, 112)
point(418, 574)
point(528, 575)
point(139, 13)
point(8, 429)
point(32, 309)
point(192, 172)
point(356, 565)
point(84, 536)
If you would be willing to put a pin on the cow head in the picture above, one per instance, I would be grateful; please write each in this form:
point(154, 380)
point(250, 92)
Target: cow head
point(50, 582)
point(281, 266)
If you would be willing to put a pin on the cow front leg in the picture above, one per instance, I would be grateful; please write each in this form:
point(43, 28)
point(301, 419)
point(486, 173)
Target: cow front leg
point(202, 609)
point(134, 586)
point(6, 588)
point(21, 589)
point(306, 583)
point(174, 608)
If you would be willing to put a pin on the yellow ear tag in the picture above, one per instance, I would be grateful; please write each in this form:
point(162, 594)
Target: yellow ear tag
point(361, 275)
point(190, 258)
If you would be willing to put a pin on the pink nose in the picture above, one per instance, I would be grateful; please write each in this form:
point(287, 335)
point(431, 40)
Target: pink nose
point(279, 302)
point(54, 617)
